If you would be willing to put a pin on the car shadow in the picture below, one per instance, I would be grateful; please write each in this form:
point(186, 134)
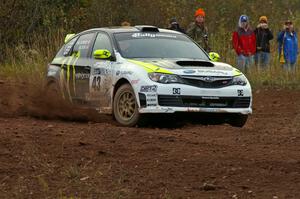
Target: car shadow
point(179, 120)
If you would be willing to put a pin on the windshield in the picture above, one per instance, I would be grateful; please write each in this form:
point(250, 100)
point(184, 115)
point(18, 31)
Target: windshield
point(158, 45)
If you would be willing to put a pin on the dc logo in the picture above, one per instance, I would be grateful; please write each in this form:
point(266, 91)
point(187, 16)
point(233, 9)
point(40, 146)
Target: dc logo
point(240, 93)
point(176, 91)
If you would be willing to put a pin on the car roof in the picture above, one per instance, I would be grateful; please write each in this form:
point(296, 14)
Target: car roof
point(122, 29)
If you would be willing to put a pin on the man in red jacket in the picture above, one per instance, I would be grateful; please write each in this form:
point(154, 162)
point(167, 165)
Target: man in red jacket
point(244, 44)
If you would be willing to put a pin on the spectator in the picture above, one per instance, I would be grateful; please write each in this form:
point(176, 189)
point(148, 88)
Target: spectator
point(288, 46)
point(244, 44)
point(125, 24)
point(263, 36)
point(174, 25)
point(198, 31)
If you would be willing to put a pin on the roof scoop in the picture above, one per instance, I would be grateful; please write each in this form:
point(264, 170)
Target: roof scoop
point(145, 28)
point(195, 63)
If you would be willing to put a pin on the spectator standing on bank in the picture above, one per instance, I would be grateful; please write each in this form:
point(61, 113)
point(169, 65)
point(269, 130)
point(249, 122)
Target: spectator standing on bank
point(198, 31)
point(174, 25)
point(288, 46)
point(244, 43)
point(263, 36)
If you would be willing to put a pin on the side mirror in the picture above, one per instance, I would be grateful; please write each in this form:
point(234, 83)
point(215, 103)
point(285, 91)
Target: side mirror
point(214, 56)
point(102, 54)
point(68, 37)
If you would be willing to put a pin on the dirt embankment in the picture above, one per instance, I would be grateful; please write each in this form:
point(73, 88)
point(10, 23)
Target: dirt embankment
point(97, 159)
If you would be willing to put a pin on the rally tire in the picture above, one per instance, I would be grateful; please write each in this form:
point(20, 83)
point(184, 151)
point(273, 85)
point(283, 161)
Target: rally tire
point(125, 107)
point(238, 120)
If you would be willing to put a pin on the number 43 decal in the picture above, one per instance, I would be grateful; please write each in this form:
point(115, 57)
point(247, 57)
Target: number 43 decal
point(96, 83)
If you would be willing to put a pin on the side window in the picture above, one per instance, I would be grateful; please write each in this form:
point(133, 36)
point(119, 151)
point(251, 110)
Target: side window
point(102, 42)
point(83, 44)
point(66, 49)
point(60, 53)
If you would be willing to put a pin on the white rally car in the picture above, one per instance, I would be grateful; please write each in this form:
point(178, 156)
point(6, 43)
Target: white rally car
point(131, 71)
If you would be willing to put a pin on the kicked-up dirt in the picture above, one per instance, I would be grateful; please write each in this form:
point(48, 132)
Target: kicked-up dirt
point(82, 157)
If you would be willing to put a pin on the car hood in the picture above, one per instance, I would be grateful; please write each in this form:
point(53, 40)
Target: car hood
point(189, 67)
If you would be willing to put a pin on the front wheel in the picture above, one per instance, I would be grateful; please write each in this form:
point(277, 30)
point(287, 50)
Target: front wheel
point(51, 91)
point(125, 107)
point(238, 120)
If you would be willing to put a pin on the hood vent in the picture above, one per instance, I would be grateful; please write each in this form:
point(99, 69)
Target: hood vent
point(195, 63)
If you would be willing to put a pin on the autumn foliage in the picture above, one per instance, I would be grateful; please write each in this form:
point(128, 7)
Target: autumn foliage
point(33, 30)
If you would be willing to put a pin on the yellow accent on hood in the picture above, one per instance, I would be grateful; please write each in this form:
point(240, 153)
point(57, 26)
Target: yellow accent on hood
point(236, 72)
point(58, 60)
point(150, 68)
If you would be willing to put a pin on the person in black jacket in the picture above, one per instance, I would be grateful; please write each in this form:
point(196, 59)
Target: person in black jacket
point(263, 37)
point(174, 25)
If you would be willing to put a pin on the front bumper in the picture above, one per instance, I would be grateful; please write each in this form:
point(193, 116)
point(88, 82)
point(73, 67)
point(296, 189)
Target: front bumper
point(161, 109)
point(183, 98)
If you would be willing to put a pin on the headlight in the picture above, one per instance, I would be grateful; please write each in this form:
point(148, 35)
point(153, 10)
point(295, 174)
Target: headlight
point(239, 80)
point(164, 78)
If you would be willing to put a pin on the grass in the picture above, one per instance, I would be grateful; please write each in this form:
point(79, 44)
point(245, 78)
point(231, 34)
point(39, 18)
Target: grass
point(30, 62)
point(274, 76)
point(73, 173)
point(44, 185)
point(31, 59)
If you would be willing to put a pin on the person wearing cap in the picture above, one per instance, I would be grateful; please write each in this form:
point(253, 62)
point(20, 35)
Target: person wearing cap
point(288, 46)
point(244, 43)
point(174, 25)
point(198, 31)
point(263, 36)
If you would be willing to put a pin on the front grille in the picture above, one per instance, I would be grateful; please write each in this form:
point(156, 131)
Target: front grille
point(206, 81)
point(204, 102)
point(242, 102)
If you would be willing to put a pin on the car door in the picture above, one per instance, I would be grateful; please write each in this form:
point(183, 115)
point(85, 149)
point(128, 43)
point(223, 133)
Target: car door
point(78, 69)
point(101, 74)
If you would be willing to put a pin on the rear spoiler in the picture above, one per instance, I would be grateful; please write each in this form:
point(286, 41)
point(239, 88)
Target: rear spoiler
point(68, 37)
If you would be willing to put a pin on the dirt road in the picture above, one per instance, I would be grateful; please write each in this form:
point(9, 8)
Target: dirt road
point(97, 159)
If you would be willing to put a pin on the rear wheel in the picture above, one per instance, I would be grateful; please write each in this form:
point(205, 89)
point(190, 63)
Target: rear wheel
point(125, 106)
point(238, 120)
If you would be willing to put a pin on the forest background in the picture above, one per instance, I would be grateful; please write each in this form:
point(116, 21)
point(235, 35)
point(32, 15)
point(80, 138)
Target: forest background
point(33, 30)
